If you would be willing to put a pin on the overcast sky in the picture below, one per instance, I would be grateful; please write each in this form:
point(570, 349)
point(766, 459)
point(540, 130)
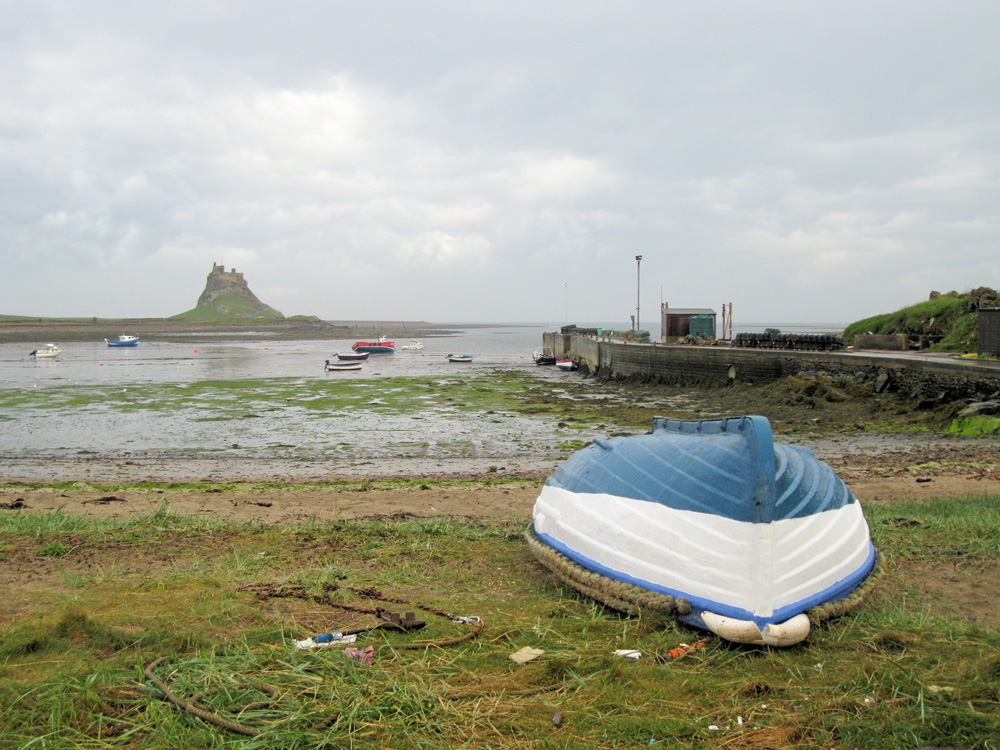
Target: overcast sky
point(499, 161)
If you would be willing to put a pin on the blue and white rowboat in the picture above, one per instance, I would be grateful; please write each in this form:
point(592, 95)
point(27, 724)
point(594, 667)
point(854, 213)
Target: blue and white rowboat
point(741, 536)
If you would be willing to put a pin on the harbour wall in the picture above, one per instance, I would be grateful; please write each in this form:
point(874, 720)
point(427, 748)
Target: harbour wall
point(945, 379)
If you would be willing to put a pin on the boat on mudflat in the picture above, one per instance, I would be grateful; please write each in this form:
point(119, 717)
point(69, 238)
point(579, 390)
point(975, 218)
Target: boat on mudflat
point(710, 522)
point(459, 357)
point(353, 356)
point(414, 345)
point(381, 346)
point(566, 365)
point(544, 356)
point(123, 341)
point(49, 352)
point(337, 366)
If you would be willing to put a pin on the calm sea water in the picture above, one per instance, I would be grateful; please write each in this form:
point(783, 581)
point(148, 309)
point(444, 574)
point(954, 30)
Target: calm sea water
point(96, 412)
point(206, 357)
point(257, 356)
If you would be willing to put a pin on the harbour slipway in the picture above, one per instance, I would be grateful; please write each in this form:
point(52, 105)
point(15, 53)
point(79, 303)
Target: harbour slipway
point(711, 522)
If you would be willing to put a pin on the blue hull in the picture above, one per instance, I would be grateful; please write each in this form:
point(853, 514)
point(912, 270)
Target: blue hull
point(123, 343)
point(376, 349)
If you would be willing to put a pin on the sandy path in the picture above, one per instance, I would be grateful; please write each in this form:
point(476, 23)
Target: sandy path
point(294, 504)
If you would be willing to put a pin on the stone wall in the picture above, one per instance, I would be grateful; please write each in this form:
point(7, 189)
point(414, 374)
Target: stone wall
point(897, 342)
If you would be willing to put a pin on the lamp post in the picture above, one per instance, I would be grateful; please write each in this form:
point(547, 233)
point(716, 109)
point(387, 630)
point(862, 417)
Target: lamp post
point(638, 263)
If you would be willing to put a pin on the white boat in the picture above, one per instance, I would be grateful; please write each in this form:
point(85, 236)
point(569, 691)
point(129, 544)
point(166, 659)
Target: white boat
point(566, 364)
point(414, 344)
point(49, 352)
point(459, 357)
point(332, 366)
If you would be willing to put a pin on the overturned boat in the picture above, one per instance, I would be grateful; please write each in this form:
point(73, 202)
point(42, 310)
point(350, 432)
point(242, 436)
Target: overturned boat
point(710, 522)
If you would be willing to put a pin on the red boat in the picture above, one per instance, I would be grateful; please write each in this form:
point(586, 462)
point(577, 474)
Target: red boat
point(382, 346)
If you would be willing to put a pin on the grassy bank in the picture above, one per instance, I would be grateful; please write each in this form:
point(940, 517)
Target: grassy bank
point(88, 607)
point(948, 317)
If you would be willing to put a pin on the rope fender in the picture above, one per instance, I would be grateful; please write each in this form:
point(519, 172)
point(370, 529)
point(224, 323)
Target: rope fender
point(634, 600)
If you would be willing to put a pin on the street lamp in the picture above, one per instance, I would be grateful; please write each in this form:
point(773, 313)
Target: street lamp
point(638, 262)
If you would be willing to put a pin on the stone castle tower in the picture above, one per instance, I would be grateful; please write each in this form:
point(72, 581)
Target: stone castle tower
point(222, 286)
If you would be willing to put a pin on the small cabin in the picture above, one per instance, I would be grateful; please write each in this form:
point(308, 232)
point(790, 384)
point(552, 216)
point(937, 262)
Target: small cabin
point(677, 322)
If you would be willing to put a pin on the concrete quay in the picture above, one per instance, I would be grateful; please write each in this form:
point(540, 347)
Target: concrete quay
point(945, 377)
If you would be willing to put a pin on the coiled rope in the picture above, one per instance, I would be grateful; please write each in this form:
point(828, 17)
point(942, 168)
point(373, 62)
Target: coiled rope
point(634, 600)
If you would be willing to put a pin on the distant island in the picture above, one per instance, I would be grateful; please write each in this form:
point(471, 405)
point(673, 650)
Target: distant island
point(226, 307)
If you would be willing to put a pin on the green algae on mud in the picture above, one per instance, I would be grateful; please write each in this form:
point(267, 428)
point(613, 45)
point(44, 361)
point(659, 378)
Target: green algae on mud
point(235, 399)
point(299, 428)
point(791, 404)
point(975, 426)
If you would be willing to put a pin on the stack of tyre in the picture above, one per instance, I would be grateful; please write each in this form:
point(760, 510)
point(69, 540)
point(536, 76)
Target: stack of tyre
point(772, 339)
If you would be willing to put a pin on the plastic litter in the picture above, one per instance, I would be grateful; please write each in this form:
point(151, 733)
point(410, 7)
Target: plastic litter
point(628, 653)
point(676, 653)
point(325, 639)
point(364, 656)
point(525, 654)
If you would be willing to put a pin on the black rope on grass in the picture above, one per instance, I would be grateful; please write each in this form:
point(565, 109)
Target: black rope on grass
point(191, 708)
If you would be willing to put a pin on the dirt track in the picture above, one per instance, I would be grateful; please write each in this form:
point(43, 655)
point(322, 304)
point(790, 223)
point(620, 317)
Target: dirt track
point(300, 503)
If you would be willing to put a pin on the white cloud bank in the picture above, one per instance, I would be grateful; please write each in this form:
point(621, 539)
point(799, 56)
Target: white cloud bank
point(816, 162)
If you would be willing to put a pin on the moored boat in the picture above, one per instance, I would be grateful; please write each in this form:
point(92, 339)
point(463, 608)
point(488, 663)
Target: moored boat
point(566, 364)
point(381, 346)
point(331, 366)
point(459, 357)
point(353, 356)
point(123, 340)
point(710, 522)
point(544, 356)
point(413, 345)
point(49, 352)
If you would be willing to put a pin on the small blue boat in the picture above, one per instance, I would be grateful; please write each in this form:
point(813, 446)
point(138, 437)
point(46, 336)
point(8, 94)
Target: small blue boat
point(123, 341)
point(354, 356)
point(710, 522)
point(459, 357)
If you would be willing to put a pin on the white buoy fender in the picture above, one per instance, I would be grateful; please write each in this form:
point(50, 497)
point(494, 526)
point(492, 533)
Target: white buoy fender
point(738, 631)
point(787, 633)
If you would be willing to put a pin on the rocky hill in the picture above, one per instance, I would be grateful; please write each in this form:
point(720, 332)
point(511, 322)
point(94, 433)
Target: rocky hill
point(227, 296)
point(950, 319)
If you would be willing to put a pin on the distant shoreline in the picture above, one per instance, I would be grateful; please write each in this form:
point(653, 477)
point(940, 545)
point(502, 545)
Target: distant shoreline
point(21, 329)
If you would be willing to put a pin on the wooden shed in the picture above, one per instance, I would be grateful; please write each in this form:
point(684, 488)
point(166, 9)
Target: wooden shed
point(989, 330)
point(676, 322)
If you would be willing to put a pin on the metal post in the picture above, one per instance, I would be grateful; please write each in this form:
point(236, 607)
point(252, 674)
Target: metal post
point(638, 262)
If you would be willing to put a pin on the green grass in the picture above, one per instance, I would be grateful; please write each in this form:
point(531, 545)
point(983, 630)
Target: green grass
point(905, 670)
point(228, 307)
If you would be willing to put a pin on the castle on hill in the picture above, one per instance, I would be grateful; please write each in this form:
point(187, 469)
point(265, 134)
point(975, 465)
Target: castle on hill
point(227, 295)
